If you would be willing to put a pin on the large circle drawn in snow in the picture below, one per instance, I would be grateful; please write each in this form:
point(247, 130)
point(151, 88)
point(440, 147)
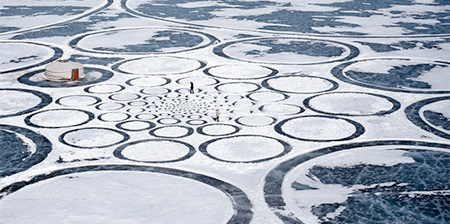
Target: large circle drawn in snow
point(299, 84)
point(218, 129)
point(245, 148)
point(240, 71)
point(151, 81)
point(399, 178)
point(135, 125)
point(19, 55)
point(150, 193)
point(256, 120)
point(21, 149)
point(93, 137)
point(238, 87)
point(16, 102)
point(397, 74)
point(110, 106)
point(78, 100)
point(352, 104)
point(138, 41)
point(154, 91)
point(124, 96)
point(287, 50)
point(172, 131)
point(59, 118)
point(104, 88)
point(432, 115)
point(267, 96)
point(281, 109)
point(162, 65)
point(113, 117)
point(92, 76)
point(319, 128)
point(155, 151)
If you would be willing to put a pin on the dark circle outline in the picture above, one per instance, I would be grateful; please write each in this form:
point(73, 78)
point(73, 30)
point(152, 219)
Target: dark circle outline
point(27, 120)
point(118, 152)
point(135, 108)
point(43, 148)
point(275, 178)
point(236, 130)
point(142, 91)
point(97, 99)
point(114, 94)
point(74, 42)
point(167, 97)
point(190, 122)
point(116, 66)
point(167, 118)
point(197, 116)
point(137, 116)
point(395, 105)
point(87, 89)
point(284, 95)
point(241, 204)
point(99, 117)
point(272, 73)
point(25, 79)
point(98, 106)
point(257, 85)
point(358, 132)
point(58, 52)
point(261, 108)
point(353, 51)
point(339, 74)
point(146, 98)
point(274, 120)
point(412, 113)
point(128, 82)
point(203, 148)
point(178, 116)
point(190, 131)
point(151, 125)
point(131, 102)
point(45, 101)
point(265, 84)
point(124, 135)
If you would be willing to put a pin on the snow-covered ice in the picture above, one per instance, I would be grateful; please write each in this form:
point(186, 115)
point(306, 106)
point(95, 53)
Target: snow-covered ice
point(312, 111)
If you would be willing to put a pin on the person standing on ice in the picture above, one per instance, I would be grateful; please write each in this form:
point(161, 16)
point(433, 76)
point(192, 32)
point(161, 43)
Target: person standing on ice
point(192, 88)
point(217, 115)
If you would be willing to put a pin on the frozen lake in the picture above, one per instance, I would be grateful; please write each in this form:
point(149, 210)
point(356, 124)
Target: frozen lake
point(313, 111)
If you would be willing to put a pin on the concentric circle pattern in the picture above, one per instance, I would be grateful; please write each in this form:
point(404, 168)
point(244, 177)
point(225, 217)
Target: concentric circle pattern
point(330, 111)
